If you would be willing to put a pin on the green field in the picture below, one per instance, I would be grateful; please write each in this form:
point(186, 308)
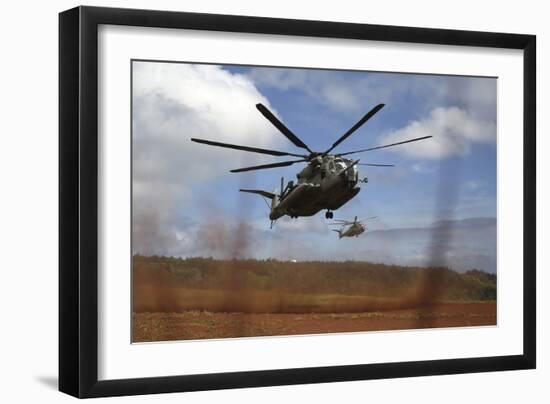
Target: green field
point(166, 284)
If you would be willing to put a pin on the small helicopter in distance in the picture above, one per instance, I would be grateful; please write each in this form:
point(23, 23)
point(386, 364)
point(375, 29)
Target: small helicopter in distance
point(350, 229)
point(327, 182)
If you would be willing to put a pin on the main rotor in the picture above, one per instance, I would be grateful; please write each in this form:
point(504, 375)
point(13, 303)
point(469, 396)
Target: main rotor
point(311, 155)
point(342, 222)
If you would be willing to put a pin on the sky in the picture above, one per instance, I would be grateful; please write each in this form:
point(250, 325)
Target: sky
point(437, 206)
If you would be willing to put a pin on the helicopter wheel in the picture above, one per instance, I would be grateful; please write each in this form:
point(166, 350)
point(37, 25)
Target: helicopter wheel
point(329, 214)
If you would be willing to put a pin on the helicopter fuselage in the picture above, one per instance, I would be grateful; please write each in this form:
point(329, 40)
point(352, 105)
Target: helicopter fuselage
point(353, 230)
point(327, 182)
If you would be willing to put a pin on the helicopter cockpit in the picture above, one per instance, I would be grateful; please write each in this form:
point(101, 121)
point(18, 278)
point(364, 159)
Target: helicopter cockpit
point(339, 165)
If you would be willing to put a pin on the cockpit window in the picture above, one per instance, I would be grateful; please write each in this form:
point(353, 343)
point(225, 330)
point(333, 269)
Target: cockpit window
point(340, 165)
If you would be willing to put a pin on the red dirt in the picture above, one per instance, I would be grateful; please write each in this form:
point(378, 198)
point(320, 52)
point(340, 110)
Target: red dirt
point(166, 326)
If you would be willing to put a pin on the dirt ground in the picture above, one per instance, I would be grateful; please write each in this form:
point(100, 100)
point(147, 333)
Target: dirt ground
point(186, 325)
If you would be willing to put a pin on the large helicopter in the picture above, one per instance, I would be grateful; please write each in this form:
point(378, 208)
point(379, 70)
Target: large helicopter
point(327, 182)
point(349, 228)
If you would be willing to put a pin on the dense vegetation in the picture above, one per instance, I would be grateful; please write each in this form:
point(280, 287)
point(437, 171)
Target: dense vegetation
point(351, 278)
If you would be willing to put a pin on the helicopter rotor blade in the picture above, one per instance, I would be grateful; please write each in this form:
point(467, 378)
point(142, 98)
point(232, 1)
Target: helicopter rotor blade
point(375, 165)
point(368, 218)
point(246, 148)
point(282, 128)
point(384, 146)
point(264, 166)
point(365, 118)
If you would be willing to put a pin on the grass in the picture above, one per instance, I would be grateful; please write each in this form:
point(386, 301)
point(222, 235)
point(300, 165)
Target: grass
point(162, 284)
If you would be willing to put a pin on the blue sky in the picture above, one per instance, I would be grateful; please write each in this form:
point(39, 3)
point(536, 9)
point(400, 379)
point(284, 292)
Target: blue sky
point(186, 202)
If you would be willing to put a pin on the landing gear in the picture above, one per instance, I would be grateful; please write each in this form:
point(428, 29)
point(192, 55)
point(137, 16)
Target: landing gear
point(329, 214)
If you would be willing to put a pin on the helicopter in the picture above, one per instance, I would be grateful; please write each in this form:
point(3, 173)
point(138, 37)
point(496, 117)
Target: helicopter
point(350, 229)
point(328, 181)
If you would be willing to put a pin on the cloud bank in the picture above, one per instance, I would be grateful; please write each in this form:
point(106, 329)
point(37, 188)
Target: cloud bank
point(173, 102)
point(454, 130)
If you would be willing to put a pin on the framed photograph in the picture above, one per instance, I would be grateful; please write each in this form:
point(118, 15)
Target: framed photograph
point(250, 201)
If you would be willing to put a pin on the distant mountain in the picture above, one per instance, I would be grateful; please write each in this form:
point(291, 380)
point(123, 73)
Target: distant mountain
point(469, 222)
point(459, 244)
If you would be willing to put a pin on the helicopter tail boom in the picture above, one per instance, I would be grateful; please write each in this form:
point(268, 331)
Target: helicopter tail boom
point(275, 199)
point(266, 194)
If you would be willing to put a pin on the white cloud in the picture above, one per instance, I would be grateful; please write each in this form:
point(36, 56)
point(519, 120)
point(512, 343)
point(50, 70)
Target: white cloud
point(341, 95)
point(173, 102)
point(422, 168)
point(283, 79)
point(453, 130)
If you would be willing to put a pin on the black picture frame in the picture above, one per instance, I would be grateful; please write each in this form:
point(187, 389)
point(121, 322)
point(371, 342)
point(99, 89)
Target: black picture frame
point(78, 201)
